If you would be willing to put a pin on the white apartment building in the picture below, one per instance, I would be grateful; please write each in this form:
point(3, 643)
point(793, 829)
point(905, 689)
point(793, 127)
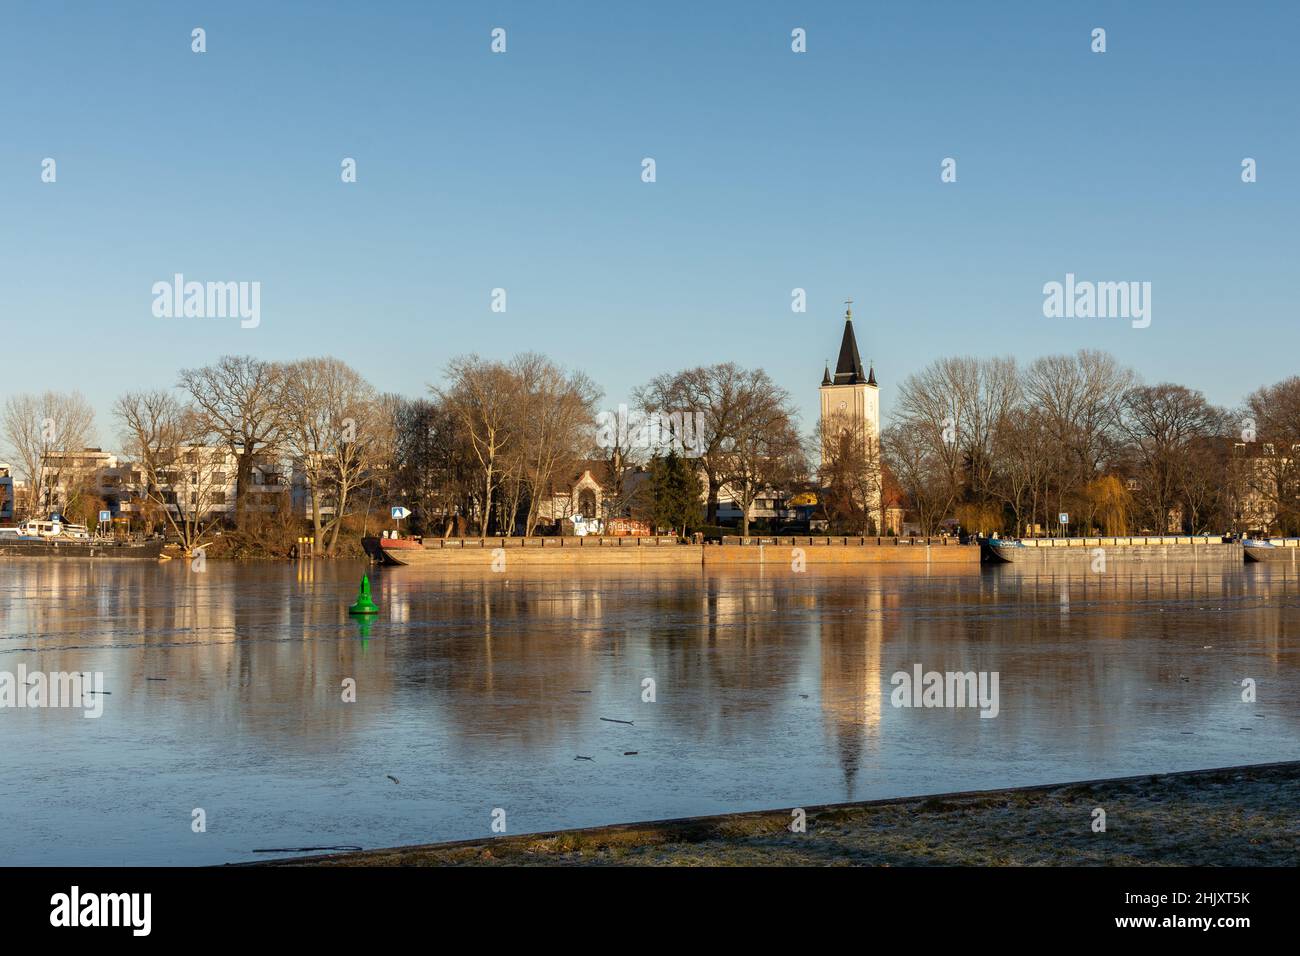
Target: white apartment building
point(200, 479)
point(6, 493)
point(66, 474)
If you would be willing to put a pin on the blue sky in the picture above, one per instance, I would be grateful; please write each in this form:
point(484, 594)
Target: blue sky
point(775, 170)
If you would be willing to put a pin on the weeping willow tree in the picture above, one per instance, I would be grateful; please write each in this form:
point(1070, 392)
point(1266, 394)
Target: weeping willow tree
point(981, 517)
point(1110, 504)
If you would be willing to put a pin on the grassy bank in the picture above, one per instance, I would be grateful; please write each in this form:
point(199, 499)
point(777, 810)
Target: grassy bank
point(1240, 816)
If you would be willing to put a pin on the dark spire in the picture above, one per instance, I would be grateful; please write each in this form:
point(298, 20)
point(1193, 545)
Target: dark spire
point(871, 375)
point(848, 369)
point(826, 375)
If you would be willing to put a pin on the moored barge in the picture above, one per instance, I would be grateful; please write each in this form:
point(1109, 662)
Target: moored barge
point(56, 538)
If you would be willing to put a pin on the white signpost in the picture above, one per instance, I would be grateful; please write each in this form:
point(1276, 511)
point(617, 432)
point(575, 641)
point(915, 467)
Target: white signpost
point(1064, 518)
point(399, 513)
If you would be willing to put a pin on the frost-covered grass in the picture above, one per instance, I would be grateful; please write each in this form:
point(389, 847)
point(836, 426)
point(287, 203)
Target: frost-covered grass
point(1240, 817)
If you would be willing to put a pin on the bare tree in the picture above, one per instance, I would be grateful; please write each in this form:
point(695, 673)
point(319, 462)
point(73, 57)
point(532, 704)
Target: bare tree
point(1274, 473)
point(431, 464)
point(554, 417)
point(986, 390)
point(482, 396)
point(1080, 398)
point(764, 447)
point(1206, 495)
point(921, 471)
point(37, 428)
point(332, 423)
point(720, 393)
point(929, 430)
point(1022, 448)
point(1164, 425)
point(242, 398)
point(182, 466)
point(310, 429)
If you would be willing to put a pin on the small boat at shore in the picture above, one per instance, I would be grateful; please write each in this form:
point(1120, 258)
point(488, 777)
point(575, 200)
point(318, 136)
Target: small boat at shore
point(387, 550)
point(55, 538)
point(1267, 549)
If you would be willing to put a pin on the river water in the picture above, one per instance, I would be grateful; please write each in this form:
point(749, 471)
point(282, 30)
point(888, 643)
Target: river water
point(476, 691)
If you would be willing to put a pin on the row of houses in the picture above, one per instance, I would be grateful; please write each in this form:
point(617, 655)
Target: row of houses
point(202, 481)
point(589, 495)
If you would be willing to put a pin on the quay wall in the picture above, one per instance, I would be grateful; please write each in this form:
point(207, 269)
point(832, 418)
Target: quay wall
point(592, 551)
point(1185, 543)
point(816, 550)
point(1131, 548)
point(813, 551)
point(555, 552)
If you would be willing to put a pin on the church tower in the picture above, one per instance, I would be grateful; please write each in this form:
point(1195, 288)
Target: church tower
point(851, 403)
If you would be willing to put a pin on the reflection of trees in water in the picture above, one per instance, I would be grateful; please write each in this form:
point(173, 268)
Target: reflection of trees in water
point(504, 660)
point(1098, 654)
point(742, 660)
point(724, 656)
point(493, 660)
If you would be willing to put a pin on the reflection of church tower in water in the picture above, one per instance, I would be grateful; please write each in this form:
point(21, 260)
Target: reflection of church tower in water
point(851, 689)
point(850, 403)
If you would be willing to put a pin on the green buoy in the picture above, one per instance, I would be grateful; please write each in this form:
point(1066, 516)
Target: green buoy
point(364, 605)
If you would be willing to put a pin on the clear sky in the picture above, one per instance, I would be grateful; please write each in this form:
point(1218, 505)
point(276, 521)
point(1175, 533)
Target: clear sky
point(522, 170)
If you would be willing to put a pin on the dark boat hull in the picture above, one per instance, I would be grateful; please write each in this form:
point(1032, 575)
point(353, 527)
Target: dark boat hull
point(136, 550)
point(991, 553)
point(389, 550)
